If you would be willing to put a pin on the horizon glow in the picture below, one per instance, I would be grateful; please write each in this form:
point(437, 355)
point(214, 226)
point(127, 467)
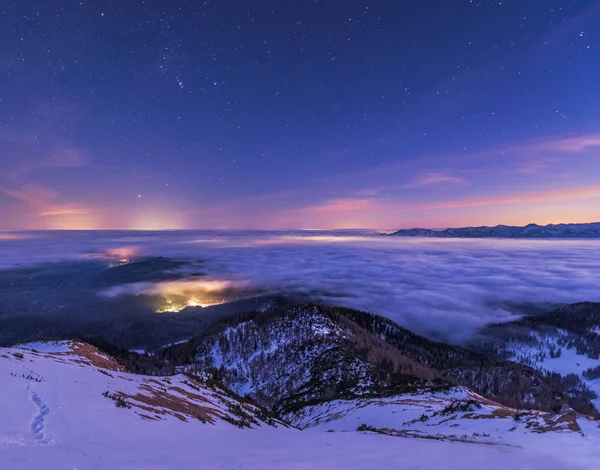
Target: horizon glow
point(336, 116)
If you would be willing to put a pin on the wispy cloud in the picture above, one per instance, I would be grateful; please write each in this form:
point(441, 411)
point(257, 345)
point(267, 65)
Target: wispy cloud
point(574, 144)
point(42, 201)
point(422, 171)
point(516, 181)
point(434, 179)
point(27, 155)
point(532, 167)
point(524, 198)
point(61, 210)
point(367, 212)
point(33, 195)
point(339, 206)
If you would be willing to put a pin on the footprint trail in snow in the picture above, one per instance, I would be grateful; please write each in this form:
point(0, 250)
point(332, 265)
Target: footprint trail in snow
point(37, 425)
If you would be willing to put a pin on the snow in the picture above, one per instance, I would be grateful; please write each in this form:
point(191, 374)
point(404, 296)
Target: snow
point(569, 362)
point(46, 346)
point(422, 416)
point(150, 352)
point(253, 365)
point(54, 416)
point(289, 450)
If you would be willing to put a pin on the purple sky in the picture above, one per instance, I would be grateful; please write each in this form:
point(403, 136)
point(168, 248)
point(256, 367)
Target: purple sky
point(279, 114)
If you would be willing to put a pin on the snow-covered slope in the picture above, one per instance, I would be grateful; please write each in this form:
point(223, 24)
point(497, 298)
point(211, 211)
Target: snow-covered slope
point(300, 355)
point(55, 413)
point(548, 352)
point(91, 379)
point(565, 341)
point(297, 356)
point(460, 415)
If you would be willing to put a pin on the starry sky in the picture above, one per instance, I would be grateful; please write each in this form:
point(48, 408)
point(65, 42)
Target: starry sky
point(147, 114)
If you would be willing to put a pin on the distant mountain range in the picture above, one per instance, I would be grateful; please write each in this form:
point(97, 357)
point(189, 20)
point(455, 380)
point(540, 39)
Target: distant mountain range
point(591, 230)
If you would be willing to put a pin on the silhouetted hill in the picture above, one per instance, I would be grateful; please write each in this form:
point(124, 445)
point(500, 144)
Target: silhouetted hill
point(591, 230)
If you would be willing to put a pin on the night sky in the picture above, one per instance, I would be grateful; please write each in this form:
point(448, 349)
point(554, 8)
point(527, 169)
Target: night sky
point(298, 114)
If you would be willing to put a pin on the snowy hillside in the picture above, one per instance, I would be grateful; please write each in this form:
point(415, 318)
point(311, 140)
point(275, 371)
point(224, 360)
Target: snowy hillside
point(91, 379)
point(296, 357)
point(292, 357)
point(564, 342)
point(550, 352)
point(67, 405)
point(458, 415)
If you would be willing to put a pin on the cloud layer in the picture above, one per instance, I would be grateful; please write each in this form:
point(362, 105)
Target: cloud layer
point(441, 288)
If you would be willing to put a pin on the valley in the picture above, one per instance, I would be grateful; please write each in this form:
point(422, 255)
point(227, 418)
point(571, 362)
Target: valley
point(150, 361)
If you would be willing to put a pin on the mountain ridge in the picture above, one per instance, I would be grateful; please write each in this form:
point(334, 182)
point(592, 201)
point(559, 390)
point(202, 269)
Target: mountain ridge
point(292, 357)
point(581, 231)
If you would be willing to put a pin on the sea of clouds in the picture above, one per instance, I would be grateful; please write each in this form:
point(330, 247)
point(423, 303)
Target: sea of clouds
point(442, 288)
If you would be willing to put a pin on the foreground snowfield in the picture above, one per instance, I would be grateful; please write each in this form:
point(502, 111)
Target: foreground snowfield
point(54, 415)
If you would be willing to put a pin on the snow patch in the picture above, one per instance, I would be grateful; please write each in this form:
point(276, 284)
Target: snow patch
point(46, 346)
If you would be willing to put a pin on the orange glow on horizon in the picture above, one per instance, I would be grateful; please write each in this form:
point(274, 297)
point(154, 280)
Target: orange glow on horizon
point(123, 253)
point(13, 236)
point(64, 211)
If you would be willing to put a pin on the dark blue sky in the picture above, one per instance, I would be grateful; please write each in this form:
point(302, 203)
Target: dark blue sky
point(304, 114)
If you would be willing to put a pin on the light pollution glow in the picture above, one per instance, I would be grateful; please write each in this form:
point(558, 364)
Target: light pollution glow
point(545, 207)
point(536, 183)
point(178, 295)
point(175, 306)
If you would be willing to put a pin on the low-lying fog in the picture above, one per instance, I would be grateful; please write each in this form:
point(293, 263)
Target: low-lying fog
point(441, 288)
